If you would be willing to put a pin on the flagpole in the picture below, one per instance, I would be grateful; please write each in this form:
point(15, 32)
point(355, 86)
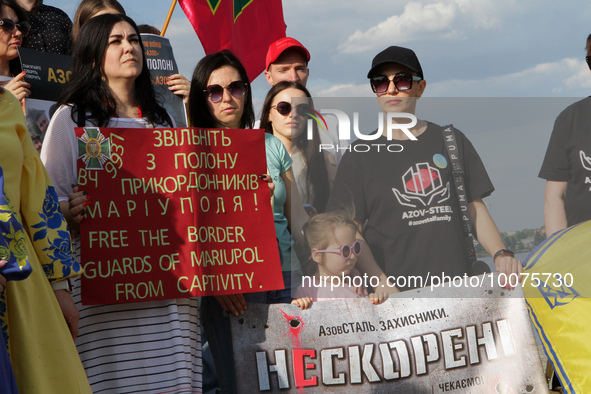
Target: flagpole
point(167, 21)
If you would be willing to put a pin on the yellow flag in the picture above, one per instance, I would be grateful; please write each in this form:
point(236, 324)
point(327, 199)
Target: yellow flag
point(557, 289)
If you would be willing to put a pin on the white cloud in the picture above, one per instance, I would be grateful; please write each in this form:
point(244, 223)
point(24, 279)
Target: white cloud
point(577, 79)
point(437, 20)
point(483, 14)
point(567, 77)
point(415, 22)
point(345, 90)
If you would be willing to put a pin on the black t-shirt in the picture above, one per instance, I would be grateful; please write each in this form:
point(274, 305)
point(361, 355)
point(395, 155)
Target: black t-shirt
point(408, 202)
point(50, 30)
point(568, 159)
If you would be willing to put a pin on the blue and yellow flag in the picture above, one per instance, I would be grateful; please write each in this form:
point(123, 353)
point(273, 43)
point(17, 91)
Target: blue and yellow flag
point(558, 296)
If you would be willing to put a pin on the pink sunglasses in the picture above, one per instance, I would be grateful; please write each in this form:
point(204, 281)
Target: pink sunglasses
point(346, 251)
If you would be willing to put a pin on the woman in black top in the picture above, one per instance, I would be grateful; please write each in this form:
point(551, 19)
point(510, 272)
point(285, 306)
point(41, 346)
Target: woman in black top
point(50, 28)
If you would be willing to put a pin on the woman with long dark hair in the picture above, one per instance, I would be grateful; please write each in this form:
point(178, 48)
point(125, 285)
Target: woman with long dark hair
point(212, 105)
point(221, 97)
point(88, 9)
point(150, 346)
point(287, 120)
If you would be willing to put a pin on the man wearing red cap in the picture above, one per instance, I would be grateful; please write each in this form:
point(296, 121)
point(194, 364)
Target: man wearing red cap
point(287, 60)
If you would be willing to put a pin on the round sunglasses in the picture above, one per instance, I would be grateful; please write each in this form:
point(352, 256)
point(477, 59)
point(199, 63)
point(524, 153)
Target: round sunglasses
point(9, 26)
point(402, 82)
point(346, 251)
point(216, 92)
point(284, 108)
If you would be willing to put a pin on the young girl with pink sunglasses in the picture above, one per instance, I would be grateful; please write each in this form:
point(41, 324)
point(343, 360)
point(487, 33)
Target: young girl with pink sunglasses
point(330, 270)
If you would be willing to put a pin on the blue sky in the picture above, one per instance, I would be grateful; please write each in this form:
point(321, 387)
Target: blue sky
point(531, 49)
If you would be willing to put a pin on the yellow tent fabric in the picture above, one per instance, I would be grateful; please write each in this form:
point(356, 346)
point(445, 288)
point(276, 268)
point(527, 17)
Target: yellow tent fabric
point(557, 292)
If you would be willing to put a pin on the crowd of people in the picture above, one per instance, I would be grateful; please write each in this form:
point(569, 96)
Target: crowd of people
point(332, 216)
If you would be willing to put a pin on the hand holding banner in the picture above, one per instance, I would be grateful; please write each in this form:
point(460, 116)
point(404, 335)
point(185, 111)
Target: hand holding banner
point(175, 213)
point(479, 343)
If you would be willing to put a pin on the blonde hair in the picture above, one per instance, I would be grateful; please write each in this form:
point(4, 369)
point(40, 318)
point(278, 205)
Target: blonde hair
point(319, 232)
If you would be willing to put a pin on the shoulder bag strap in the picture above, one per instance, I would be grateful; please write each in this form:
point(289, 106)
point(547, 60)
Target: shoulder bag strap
point(449, 138)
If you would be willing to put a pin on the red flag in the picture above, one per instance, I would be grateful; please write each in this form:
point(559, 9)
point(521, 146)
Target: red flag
point(246, 27)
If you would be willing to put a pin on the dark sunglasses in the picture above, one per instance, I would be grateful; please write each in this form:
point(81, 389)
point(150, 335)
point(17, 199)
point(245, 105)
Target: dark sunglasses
point(8, 25)
point(284, 108)
point(402, 81)
point(216, 92)
point(588, 60)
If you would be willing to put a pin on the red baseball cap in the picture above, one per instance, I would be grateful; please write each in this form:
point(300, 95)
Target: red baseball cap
point(281, 45)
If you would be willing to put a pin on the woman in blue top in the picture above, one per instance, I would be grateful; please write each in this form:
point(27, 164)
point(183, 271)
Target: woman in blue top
point(285, 115)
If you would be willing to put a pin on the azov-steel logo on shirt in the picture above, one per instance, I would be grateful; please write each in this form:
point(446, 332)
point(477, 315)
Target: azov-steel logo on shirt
point(422, 184)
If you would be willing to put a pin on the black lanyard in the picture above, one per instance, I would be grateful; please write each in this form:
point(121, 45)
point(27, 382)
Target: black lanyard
point(449, 138)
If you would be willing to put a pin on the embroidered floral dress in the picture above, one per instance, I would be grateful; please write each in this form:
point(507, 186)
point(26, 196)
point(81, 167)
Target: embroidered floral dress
point(43, 354)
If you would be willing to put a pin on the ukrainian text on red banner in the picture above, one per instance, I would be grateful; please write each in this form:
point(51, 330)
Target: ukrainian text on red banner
point(175, 213)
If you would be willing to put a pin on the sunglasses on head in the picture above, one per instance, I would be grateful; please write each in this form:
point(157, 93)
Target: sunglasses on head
point(588, 60)
point(9, 26)
point(346, 250)
point(284, 108)
point(216, 92)
point(402, 82)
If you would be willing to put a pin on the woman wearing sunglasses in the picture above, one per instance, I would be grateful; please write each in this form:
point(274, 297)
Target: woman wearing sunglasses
point(150, 346)
point(406, 197)
point(220, 97)
point(285, 114)
point(13, 29)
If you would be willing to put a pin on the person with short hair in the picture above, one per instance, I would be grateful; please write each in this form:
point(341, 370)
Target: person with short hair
point(287, 60)
point(567, 166)
point(406, 201)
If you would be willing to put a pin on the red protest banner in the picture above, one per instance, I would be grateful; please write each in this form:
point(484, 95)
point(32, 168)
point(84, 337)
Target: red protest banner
point(175, 213)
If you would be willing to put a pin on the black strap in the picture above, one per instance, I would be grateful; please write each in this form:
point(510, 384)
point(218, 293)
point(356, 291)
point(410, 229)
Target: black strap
point(81, 116)
point(449, 138)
